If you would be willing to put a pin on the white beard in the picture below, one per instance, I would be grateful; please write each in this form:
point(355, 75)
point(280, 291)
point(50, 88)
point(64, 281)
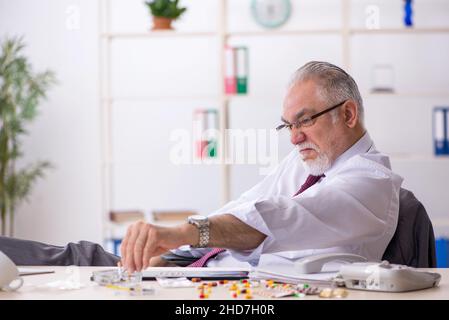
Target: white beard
point(317, 166)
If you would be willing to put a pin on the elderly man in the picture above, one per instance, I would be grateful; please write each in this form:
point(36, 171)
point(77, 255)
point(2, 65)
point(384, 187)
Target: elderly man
point(333, 193)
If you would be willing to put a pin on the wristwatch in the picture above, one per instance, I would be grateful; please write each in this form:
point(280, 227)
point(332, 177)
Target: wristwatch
point(202, 223)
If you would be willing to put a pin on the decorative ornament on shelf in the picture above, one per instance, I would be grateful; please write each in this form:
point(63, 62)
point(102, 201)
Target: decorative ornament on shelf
point(271, 13)
point(441, 130)
point(382, 78)
point(408, 13)
point(164, 12)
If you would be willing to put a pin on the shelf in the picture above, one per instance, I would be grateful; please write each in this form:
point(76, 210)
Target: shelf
point(398, 30)
point(230, 97)
point(417, 157)
point(418, 94)
point(283, 32)
point(156, 34)
point(440, 222)
point(160, 98)
point(255, 33)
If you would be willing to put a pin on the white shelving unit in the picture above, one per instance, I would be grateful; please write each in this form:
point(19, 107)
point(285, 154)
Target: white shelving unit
point(223, 35)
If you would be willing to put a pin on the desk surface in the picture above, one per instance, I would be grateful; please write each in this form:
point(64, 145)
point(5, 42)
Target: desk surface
point(32, 289)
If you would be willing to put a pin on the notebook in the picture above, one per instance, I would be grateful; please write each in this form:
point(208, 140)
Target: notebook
point(216, 273)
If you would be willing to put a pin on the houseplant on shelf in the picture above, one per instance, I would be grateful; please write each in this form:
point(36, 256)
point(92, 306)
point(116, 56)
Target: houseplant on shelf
point(164, 12)
point(21, 90)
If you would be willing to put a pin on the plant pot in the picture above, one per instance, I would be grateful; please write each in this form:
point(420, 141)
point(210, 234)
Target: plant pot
point(161, 23)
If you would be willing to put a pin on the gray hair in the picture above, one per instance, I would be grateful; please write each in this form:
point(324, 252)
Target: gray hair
point(335, 84)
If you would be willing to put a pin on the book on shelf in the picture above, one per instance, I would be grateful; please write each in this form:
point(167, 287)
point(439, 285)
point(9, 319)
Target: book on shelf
point(205, 133)
point(121, 216)
point(441, 130)
point(172, 215)
point(199, 127)
point(230, 72)
point(241, 54)
point(236, 70)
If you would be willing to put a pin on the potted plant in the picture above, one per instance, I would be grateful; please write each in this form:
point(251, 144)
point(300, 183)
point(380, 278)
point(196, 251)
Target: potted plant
point(21, 90)
point(164, 12)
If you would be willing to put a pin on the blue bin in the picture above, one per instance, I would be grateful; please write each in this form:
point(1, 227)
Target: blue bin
point(442, 250)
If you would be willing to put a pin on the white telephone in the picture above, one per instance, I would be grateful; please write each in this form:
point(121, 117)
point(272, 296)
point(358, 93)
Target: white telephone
point(374, 276)
point(10, 279)
point(314, 264)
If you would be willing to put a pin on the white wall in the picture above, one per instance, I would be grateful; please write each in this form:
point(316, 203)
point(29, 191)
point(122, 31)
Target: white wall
point(66, 206)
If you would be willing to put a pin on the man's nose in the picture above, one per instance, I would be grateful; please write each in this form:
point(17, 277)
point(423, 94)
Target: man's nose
point(297, 136)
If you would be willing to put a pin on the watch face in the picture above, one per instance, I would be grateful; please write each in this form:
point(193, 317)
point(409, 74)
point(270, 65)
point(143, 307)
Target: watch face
point(197, 217)
point(271, 13)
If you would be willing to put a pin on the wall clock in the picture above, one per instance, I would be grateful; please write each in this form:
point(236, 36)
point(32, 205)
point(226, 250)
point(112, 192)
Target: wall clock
point(271, 13)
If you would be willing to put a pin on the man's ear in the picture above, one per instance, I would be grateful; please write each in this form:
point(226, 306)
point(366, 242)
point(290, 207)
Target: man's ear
point(350, 114)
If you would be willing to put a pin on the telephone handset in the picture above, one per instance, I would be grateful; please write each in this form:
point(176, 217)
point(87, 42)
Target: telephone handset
point(10, 279)
point(314, 264)
point(374, 276)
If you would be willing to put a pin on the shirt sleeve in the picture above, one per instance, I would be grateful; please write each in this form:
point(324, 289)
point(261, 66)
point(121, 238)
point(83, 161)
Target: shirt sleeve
point(359, 204)
point(269, 185)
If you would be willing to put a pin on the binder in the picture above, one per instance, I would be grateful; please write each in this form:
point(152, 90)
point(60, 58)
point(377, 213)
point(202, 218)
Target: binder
point(241, 54)
point(205, 133)
point(230, 72)
point(441, 130)
point(199, 127)
point(212, 129)
point(442, 252)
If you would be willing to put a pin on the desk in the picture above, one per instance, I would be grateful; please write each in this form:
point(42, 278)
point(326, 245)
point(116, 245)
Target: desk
point(91, 290)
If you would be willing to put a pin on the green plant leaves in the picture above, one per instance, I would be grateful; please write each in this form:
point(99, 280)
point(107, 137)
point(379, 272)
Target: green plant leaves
point(165, 8)
point(21, 91)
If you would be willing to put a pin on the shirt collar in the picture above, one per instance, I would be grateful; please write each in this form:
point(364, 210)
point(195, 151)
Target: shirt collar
point(363, 145)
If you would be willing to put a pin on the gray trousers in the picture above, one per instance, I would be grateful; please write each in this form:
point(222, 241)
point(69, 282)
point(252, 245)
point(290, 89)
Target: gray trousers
point(32, 253)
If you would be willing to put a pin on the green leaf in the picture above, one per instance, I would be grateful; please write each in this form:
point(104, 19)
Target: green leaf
point(18, 185)
point(165, 8)
point(21, 92)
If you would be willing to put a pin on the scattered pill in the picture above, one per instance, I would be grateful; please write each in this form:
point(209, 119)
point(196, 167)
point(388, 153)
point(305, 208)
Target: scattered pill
point(339, 293)
point(326, 293)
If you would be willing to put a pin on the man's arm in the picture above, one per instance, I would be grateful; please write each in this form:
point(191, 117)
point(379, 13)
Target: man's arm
point(145, 241)
point(230, 232)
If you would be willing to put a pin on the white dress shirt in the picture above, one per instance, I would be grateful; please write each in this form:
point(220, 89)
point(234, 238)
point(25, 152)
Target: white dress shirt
point(353, 209)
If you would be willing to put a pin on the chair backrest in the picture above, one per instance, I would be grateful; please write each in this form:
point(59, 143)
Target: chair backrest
point(413, 243)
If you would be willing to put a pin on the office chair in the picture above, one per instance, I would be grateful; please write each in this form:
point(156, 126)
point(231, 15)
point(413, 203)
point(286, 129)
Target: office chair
point(413, 243)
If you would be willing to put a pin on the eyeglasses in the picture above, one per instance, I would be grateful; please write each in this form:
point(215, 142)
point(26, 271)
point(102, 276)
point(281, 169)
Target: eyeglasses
point(309, 121)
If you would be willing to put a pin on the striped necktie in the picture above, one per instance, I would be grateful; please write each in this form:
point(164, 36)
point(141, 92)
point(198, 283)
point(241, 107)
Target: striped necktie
point(310, 181)
point(201, 262)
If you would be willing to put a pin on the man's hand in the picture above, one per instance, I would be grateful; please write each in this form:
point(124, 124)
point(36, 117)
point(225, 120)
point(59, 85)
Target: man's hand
point(143, 241)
